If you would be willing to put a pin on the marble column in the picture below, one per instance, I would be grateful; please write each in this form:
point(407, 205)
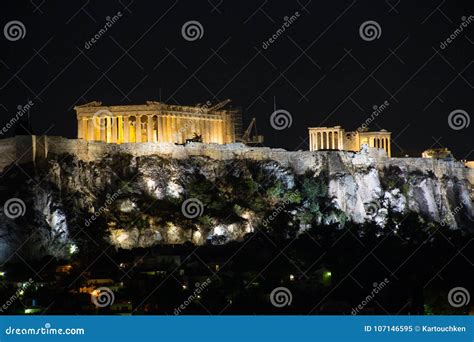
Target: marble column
point(207, 131)
point(90, 129)
point(219, 131)
point(80, 128)
point(164, 137)
point(172, 129)
point(166, 129)
point(138, 129)
point(102, 129)
point(202, 128)
point(119, 129)
point(214, 131)
point(126, 129)
point(159, 132)
point(113, 138)
point(150, 128)
point(108, 129)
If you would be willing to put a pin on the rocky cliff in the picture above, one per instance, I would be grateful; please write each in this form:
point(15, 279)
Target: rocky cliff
point(214, 194)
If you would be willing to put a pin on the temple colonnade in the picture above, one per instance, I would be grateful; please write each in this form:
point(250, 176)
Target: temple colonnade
point(323, 138)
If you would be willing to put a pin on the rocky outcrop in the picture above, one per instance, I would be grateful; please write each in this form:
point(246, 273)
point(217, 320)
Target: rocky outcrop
point(217, 193)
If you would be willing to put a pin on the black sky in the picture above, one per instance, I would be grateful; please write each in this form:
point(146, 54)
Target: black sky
point(320, 70)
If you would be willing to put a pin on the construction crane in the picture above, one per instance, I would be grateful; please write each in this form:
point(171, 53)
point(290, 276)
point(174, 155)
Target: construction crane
point(218, 106)
point(251, 140)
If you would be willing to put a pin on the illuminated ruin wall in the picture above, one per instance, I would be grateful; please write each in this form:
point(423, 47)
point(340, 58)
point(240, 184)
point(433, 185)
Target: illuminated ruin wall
point(155, 122)
point(336, 138)
point(23, 149)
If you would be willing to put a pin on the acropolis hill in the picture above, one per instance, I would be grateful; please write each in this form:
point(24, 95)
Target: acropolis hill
point(76, 178)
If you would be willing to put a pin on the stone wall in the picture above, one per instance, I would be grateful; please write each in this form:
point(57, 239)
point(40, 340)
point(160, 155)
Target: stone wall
point(34, 148)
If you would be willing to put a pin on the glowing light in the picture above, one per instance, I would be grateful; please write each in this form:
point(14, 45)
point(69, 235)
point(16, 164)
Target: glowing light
point(2, 274)
point(73, 249)
point(327, 276)
point(122, 237)
point(292, 277)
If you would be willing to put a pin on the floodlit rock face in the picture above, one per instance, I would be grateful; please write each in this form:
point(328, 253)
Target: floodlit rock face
point(169, 194)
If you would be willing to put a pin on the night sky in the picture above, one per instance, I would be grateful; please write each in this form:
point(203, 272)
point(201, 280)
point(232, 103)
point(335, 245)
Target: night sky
point(320, 69)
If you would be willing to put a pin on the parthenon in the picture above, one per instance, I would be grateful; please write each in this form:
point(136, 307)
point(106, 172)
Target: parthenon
point(336, 138)
point(157, 122)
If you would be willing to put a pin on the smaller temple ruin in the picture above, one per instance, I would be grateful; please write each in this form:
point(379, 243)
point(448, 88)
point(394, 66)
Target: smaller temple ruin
point(336, 138)
point(437, 153)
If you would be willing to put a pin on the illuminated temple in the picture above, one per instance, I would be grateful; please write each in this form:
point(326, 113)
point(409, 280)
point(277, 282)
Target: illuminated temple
point(158, 122)
point(336, 138)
